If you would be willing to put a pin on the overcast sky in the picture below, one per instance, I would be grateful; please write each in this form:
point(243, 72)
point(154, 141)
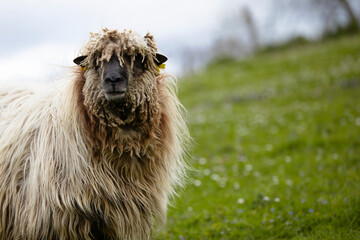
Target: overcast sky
point(38, 37)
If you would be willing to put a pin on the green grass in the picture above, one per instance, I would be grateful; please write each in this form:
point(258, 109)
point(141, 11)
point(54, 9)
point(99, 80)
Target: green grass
point(276, 152)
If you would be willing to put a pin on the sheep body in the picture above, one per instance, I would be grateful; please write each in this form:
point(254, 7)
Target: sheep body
point(71, 168)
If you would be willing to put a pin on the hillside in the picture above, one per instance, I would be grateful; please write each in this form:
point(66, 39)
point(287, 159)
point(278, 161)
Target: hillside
point(276, 152)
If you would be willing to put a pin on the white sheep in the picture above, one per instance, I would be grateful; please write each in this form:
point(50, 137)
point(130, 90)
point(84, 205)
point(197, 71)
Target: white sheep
point(96, 156)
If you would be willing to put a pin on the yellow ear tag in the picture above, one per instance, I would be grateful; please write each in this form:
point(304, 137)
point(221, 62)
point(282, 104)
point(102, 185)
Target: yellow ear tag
point(161, 66)
point(83, 68)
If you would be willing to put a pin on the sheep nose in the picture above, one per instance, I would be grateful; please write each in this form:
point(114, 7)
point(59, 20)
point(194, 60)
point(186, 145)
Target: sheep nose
point(114, 79)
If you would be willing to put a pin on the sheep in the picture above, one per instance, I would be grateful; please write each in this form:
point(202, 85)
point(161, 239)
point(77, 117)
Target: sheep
point(96, 156)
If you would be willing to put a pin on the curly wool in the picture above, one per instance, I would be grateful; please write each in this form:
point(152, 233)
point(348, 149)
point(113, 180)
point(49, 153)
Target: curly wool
point(142, 92)
point(74, 166)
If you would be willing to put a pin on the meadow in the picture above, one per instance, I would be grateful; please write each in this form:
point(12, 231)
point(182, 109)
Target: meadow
point(276, 146)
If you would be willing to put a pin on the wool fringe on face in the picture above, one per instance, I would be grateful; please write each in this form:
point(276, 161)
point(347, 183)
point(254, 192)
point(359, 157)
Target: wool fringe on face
point(70, 168)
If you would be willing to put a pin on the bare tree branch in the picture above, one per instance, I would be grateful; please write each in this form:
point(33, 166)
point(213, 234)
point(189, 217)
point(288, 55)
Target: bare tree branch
point(353, 20)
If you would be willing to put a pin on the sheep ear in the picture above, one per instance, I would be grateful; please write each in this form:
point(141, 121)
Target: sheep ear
point(160, 59)
point(78, 60)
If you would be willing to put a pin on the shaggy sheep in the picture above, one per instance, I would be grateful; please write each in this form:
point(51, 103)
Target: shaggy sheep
point(97, 156)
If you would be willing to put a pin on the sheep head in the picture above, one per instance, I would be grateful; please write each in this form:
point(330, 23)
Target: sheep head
point(120, 70)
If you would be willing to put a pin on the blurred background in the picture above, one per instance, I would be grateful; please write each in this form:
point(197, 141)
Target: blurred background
point(272, 92)
point(40, 36)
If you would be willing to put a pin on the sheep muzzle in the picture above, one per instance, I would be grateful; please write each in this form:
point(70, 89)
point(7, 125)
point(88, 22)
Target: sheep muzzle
point(115, 80)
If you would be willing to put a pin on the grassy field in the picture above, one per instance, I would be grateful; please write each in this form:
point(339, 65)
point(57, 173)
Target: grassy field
point(276, 151)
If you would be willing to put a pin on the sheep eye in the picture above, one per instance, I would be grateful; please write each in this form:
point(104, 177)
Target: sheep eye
point(96, 64)
point(139, 63)
point(138, 58)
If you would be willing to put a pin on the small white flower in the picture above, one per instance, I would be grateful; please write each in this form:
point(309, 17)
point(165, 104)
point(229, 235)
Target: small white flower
point(207, 172)
point(240, 201)
point(357, 122)
point(215, 177)
point(202, 161)
point(248, 167)
point(236, 185)
point(289, 182)
point(269, 147)
point(266, 198)
point(197, 183)
point(275, 180)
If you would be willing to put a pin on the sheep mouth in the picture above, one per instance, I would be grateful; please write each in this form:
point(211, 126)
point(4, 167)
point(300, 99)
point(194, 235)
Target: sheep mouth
point(115, 96)
point(115, 92)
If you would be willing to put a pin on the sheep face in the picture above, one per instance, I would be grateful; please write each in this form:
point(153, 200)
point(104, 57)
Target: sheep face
point(120, 72)
point(118, 58)
point(115, 79)
point(116, 74)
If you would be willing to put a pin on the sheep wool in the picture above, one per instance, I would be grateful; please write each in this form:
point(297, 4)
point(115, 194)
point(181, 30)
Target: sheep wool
point(75, 166)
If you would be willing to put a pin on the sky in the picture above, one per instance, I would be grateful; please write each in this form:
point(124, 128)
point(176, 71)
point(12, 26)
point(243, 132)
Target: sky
point(40, 38)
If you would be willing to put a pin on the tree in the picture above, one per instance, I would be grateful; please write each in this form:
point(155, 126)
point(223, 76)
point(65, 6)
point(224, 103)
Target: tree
point(353, 22)
point(332, 15)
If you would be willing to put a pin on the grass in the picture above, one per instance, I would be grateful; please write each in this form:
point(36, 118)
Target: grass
point(276, 151)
